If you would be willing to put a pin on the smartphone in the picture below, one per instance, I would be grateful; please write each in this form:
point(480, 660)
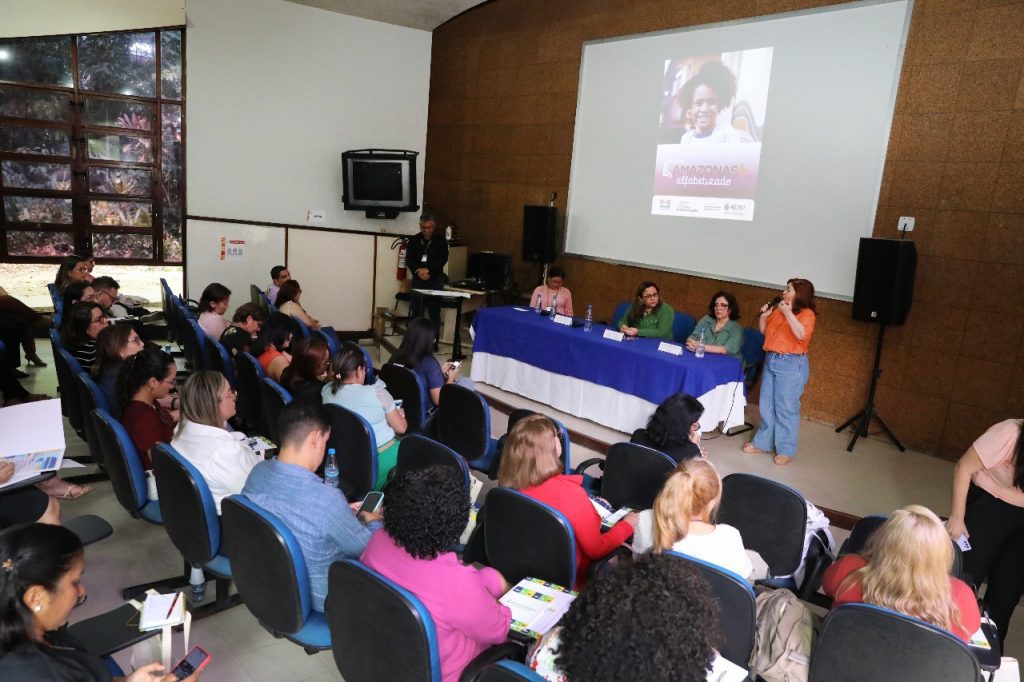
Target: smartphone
point(194, 662)
point(371, 502)
point(398, 403)
point(455, 364)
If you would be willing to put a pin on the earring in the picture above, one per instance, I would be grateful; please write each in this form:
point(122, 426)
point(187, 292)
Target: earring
point(37, 608)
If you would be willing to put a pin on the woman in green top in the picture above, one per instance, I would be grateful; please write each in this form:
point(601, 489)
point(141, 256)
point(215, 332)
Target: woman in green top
point(648, 316)
point(722, 333)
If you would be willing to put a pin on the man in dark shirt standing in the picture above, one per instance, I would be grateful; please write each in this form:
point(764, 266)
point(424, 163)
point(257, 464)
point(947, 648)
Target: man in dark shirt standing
point(426, 256)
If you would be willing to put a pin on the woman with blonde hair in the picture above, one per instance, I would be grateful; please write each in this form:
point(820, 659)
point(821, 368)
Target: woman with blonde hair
point(683, 518)
point(221, 456)
point(905, 567)
point(531, 463)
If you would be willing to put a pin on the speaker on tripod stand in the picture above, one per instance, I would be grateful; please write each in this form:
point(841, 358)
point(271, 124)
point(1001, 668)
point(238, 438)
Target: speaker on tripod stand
point(883, 293)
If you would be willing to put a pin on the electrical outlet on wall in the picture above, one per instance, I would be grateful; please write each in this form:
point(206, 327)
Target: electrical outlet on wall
point(905, 224)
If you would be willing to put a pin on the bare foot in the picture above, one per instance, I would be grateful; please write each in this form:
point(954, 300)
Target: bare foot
point(782, 460)
point(751, 450)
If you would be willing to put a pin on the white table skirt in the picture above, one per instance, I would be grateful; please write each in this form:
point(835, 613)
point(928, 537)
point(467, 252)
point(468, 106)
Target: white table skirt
point(617, 410)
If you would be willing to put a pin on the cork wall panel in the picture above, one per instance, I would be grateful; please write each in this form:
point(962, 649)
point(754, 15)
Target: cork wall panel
point(504, 79)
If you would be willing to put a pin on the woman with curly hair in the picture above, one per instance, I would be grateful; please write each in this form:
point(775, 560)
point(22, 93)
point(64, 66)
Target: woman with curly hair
point(683, 520)
point(905, 567)
point(649, 316)
point(721, 332)
point(674, 428)
point(651, 619)
point(530, 463)
point(425, 511)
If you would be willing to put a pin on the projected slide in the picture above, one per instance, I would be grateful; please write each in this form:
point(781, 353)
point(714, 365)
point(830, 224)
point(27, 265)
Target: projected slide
point(712, 125)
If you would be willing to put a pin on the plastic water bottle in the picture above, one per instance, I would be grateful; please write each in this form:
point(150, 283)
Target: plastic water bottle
point(539, 306)
point(197, 583)
point(588, 321)
point(554, 306)
point(700, 345)
point(331, 469)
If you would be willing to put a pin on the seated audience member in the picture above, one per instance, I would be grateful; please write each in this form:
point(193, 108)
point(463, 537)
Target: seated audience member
point(552, 291)
point(114, 344)
point(71, 269)
point(274, 337)
point(212, 306)
point(683, 520)
point(221, 456)
point(13, 308)
point(318, 515)
point(29, 504)
point(674, 428)
point(245, 325)
point(372, 403)
point(108, 293)
point(11, 389)
point(425, 512)
point(78, 291)
point(416, 354)
point(530, 463)
point(287, 302)
point(278, 275)
point(82, 324)
point(41, 568)
point(722, 333)
point(649, 316)
point(12, 332)
point(905, 567)
point(146, 378)
point(306, 376)
point(652, 619)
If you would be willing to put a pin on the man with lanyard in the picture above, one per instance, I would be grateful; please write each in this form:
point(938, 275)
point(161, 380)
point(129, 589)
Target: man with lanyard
point(426, 256)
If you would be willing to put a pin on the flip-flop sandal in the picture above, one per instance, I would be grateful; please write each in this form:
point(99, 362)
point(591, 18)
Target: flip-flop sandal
point(782, 460)
point(35, 361)
point(75, 491)
point(749, 448)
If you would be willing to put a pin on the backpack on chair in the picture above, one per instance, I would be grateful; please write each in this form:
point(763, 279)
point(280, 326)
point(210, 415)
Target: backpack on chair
point(786, 630)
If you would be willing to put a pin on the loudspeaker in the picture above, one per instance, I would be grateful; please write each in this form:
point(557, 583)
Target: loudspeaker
point(539, 233)
point(493, 270)
point(884, 288)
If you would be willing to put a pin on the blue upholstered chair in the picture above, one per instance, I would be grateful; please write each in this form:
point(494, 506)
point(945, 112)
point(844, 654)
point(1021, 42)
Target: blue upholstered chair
point(682, 326)
point(405, 384)
point(274, 397)
point(525, 537)
point(463, 423)
point(355, 447)
point(270, 573)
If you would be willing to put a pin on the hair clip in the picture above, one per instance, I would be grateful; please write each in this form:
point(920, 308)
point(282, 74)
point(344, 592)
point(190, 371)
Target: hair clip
point(8, 564)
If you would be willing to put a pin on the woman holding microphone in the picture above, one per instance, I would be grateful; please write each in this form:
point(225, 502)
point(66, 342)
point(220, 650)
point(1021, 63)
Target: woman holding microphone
point(787, 326)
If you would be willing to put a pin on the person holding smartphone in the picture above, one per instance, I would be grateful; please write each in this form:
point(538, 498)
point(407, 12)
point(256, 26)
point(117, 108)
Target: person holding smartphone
point(41, 570)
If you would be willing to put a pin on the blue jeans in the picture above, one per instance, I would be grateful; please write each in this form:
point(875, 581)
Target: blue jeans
point(782, 384)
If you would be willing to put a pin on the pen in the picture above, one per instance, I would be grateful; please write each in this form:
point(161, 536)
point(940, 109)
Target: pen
point(174, 602)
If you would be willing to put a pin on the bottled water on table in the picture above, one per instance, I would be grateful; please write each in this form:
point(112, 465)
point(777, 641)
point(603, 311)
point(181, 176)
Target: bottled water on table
point(554, 306)
point(588, 321)
point(700, 345)
point(331, 469)
point(539, 305)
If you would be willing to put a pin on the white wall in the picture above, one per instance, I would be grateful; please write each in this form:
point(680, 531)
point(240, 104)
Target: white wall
point(24, 18)
point(277, 91)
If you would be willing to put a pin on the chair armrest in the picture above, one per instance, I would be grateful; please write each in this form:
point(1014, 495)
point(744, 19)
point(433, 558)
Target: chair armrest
point(89, 528)
point(513, 650)
point(605, 564)
point(586, 464)
point(110, 632)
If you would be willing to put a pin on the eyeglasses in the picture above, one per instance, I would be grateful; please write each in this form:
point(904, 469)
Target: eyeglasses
point(721, 305)
point(232, 393)
point(654, 295)
point(134, 339)
point(169, 381)
point(98, 320)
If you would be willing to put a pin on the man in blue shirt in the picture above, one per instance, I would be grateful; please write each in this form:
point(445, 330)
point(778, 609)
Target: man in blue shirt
point(318, 515)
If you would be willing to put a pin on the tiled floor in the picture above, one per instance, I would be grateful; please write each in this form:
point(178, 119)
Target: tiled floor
point(875, 478)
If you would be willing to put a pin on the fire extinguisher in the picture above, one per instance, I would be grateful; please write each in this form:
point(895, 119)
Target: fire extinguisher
point(401, 272)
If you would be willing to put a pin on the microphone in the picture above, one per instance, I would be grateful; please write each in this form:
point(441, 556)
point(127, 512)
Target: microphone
point(775, 301)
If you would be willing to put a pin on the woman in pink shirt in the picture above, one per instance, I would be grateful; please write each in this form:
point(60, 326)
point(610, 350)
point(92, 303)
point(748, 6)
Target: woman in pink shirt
point(425, 511)
point(553, 293)
point(988, 508)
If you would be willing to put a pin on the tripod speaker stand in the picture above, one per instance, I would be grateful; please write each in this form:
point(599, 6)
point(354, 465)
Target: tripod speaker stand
point(864, 417)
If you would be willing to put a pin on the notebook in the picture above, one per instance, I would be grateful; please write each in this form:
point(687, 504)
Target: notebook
point(162, 609)
point(536, 605)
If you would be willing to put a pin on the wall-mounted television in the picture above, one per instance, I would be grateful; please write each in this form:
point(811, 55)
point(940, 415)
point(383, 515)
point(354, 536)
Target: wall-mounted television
point(381, 182)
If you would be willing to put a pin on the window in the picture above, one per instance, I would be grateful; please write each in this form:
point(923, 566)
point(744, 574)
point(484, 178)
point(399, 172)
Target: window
point(92, 146)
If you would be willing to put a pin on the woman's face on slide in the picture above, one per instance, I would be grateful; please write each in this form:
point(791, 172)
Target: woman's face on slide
point(788, 294)
point(650, 298)
point(721, 308)
point(704, 109)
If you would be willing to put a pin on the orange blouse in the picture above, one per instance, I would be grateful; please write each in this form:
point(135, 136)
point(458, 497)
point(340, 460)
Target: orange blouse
point(779, 338)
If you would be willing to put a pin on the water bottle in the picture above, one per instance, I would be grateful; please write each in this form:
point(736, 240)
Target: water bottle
point(554, 306)
point(700, 344)
point(588, 321)
point(331, 469)
point(539, 306)
point(197, 583)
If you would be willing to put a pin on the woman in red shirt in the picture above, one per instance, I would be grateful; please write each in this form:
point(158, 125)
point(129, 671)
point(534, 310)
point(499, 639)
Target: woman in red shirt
point(146, 378)
point(531, 463)
point(787, 329)
point(905, 567)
